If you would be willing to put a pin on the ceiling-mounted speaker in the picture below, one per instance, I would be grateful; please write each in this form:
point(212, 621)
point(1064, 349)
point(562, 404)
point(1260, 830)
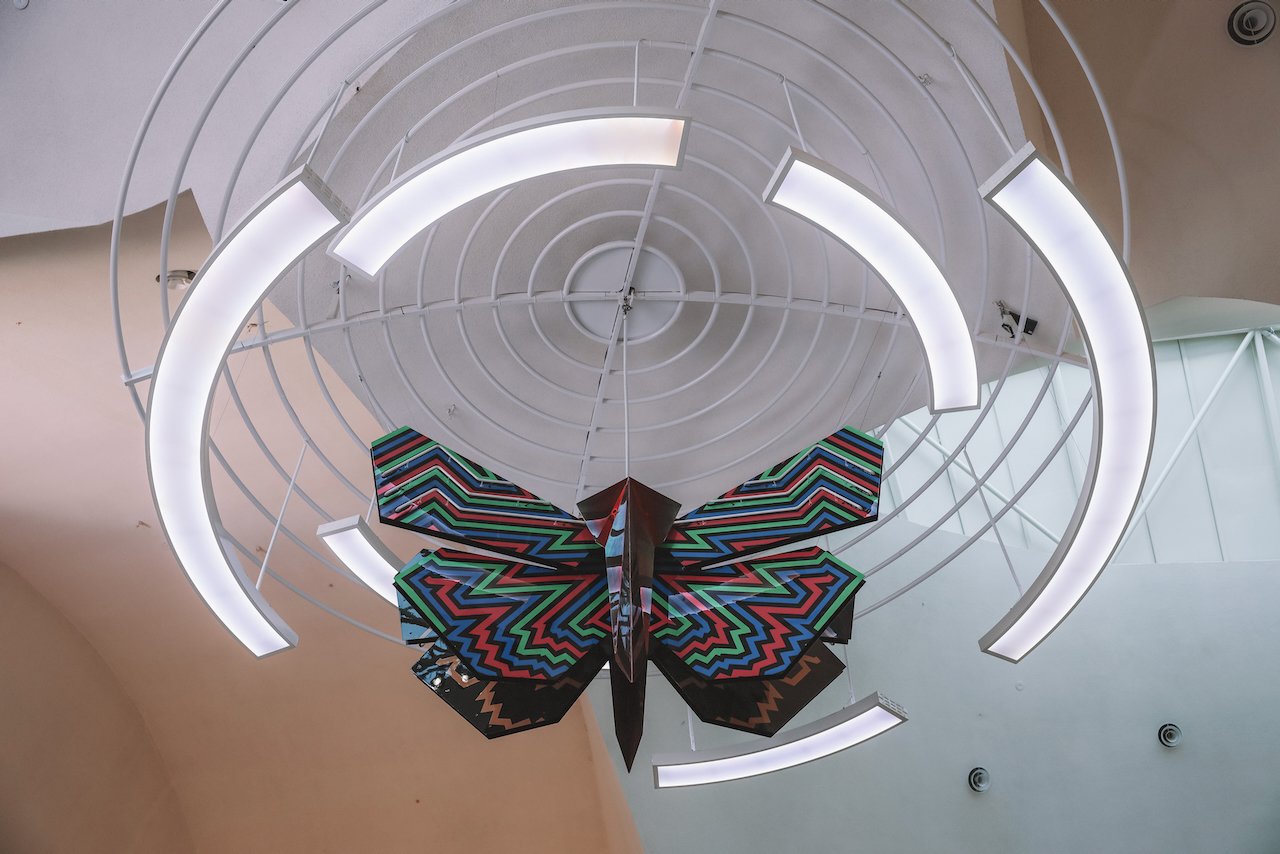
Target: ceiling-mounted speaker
point(1251, 22)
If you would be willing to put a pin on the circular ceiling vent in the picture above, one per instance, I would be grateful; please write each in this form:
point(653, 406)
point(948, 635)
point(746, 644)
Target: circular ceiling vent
point(1252, 22)
point(979, 779)
point(1170, 735)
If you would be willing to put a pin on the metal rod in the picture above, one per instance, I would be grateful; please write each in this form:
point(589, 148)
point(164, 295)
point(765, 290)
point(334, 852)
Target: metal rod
point(694, 61)
point(598, 405)
point(395, 167)
point(693, 745)
point(937, 446)
point(635, 80)
point(342, 87)
point(1186, 440)
point(1204, 466)
point(786, 90)
point(626, 398)
point(1268, 396)
point(995, 529)
point(280, 518)
point(981, 97)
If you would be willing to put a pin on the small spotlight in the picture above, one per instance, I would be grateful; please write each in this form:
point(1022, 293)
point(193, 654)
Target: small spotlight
point(1011, 319)
point(178, 280)
point(1170, 735)
point(979, 779)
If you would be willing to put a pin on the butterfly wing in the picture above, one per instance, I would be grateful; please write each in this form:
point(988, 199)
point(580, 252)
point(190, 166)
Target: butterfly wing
point(423, 486)
point(752, 619)
point(830, 486)
point(502, 708)
point(760, 706)
point(505, 620)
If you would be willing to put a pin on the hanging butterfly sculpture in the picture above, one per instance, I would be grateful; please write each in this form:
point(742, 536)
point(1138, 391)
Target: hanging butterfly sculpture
point(517, 622)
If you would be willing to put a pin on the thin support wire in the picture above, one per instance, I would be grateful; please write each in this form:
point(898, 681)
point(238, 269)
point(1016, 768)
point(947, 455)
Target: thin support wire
point(626, 396)
point(337, 98)
point(795, 123)
point(848, 672)
point(693, 744)
point(280, 517)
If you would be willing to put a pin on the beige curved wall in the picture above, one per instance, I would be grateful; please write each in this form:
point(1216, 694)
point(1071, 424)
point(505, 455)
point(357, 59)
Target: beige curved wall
point(79, 771)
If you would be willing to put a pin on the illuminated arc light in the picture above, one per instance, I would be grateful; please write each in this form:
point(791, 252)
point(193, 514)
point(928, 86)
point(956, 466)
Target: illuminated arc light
point(369, 559)
point(502, 158)
point(1040, 203)
point(841, 206)
point(848, 727)
point(363, 552)
point(291, 220)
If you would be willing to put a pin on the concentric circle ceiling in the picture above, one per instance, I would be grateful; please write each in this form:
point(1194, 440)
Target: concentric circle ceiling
point(753, 333)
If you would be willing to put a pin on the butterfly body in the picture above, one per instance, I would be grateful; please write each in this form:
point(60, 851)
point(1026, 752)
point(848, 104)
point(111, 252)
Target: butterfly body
point(515, 633)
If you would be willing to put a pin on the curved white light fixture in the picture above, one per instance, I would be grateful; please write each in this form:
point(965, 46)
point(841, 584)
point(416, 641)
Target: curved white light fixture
point(362, 552)
point(1044, 207)
point(499, 159)
point(838, 204)
point(853, 725)
point(293, 218)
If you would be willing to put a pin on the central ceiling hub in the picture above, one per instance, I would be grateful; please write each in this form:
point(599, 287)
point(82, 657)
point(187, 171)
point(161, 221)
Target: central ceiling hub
point(603, 270)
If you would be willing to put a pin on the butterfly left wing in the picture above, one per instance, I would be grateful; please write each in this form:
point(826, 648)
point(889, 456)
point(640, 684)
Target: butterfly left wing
point(751, 619)
point(505, 620)
point(423, 486)
point(830, 486)
point(502, 708)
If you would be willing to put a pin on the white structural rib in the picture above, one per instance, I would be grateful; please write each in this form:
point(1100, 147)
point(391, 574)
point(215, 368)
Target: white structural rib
point(504, 157)
point(838, 204)
point(362, 552)
point(293, 218)
point(1044, 207)
point(850, 726)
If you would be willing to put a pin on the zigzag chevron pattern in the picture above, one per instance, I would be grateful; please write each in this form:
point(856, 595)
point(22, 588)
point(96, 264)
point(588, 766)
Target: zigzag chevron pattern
point(751, 619)
point(507, 620)
point(760, 706)
point(502, 708)
point(425, 487)
point(828, 487)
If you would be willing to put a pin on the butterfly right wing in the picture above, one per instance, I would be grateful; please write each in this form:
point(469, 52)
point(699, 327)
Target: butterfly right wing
point(759, 706)
point(751, 619)
point(830, 486)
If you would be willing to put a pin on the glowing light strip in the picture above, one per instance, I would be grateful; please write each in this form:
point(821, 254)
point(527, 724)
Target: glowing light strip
point(499, 159)
point(864, 720)
point(841, 206)
point(1044, 207)
point(293, 218)
point(362, 552)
